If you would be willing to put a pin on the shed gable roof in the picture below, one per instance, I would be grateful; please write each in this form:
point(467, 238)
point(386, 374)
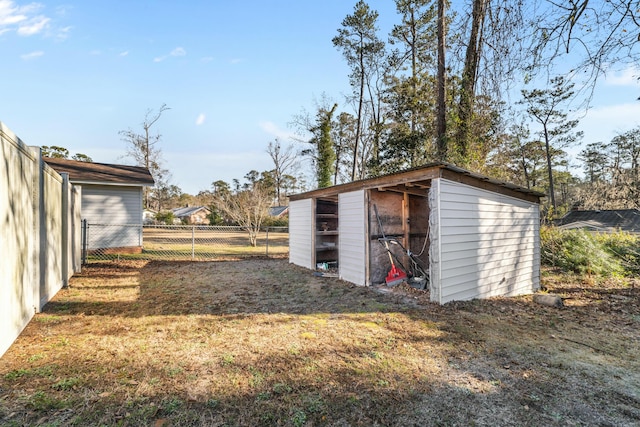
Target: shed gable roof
point(418, 181)
point(101, 173)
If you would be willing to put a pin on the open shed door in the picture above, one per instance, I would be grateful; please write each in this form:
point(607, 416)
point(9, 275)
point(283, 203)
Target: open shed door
point(301, 251)
point(353, 237)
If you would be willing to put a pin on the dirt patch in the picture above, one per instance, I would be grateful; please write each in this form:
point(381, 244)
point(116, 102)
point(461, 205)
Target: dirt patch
point(262, 342)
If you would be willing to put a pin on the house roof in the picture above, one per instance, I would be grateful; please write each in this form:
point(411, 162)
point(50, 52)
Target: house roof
point(418, 181)
point(187, 210)
point(278, 210)
point(101, 173)
point(605, 220)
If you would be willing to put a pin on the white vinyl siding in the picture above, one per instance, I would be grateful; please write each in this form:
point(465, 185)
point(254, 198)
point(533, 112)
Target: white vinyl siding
point(352, 251)
point(105, 204)
point(484, 244)
point(113, 214)
point(301, 228)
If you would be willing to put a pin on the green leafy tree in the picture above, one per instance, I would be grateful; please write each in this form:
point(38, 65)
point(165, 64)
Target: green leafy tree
point(55, 152)
point(82, 158)
point(545, 107)
point(362, 49)
point(326, 155)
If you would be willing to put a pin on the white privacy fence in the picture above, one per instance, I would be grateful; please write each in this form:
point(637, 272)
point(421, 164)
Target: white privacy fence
point(39, 234)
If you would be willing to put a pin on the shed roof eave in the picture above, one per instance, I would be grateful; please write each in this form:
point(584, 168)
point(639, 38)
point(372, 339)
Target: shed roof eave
point(424, 174)
point(111, 184)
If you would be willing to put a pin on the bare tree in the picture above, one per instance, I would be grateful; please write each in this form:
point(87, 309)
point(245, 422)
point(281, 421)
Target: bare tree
point(603, 34)
point(284, 158)
point(248, 207)
point(141, 147)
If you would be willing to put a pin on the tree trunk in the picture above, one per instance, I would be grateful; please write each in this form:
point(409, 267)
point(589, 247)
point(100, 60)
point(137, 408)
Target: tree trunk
point(552, 193)
point(356, 145)
point(469, 74)
point(441, 126)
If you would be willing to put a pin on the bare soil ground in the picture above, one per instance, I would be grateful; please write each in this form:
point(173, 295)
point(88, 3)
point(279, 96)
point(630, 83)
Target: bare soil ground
point(262, 342)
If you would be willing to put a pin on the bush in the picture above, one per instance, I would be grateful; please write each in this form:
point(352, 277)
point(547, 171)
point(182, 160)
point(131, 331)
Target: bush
point(276, 222)
point(165, 217)
point(580, 251)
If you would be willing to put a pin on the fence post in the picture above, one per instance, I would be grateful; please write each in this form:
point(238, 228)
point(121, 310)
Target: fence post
point(193, 243)
point(267, 242)
point(66, 219)
point(85, 239)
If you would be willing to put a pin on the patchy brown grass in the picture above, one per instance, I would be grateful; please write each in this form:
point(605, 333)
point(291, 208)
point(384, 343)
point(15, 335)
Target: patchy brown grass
point(262, 342)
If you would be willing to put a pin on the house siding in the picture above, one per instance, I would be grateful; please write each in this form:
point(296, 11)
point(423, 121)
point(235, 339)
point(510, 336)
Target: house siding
point(483, 244)
point(352, 222)
point(301, 251)
point(113, 214)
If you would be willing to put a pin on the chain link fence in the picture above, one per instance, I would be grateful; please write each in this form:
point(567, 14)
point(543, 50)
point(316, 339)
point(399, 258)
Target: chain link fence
point(178, 242)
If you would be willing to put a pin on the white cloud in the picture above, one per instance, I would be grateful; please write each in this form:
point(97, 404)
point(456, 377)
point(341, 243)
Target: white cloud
point(235, 60)
point(273, 129)
point(627, 77)
point(10, 14)
point(201, 119)
point(207, 59)
point(63, 33)
point(125, 53)
point(32, 55)
point(24, 20)
point(34, 26)
point(178, 52)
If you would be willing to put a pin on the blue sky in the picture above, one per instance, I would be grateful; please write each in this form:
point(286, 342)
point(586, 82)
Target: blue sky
point(234, 74)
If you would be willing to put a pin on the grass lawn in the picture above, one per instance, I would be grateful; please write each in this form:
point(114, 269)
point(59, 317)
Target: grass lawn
point(261, 342)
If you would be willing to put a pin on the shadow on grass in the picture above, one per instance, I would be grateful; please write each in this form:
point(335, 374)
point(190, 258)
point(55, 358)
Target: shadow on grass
point(262, 342)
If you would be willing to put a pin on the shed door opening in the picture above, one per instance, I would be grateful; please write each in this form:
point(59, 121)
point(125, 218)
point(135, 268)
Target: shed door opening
point(326, 235)
point(405, 218)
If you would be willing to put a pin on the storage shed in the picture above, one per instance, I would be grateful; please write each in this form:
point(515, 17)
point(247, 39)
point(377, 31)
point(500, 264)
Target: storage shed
point(111, 202)
point(477, 237)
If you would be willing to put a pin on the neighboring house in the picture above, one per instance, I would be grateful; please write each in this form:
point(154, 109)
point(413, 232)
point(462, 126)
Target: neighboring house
point(279, 211)
point(149, 216)
point(198, 215)
point(477, 236)
point(602, 220)
point(111, 201)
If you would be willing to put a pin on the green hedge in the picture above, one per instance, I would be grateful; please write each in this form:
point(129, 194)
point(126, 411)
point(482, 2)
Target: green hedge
point(604, 254)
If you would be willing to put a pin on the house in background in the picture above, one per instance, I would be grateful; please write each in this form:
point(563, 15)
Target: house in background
point(606, 221)
point(478, 237)
point(149, 216)
point(111, 201)
point(279, 211)
point(197, 215)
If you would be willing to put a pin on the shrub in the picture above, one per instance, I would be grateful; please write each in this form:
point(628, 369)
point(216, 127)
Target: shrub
point(165, 217)
point(580, 251)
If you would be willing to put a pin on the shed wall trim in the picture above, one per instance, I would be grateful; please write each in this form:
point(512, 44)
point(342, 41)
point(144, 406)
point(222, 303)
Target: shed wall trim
point(487, 244)
point(352, 251)
point(301, 230)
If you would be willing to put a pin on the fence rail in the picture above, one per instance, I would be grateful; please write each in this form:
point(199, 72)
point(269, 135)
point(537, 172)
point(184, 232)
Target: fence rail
point(179, 242)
